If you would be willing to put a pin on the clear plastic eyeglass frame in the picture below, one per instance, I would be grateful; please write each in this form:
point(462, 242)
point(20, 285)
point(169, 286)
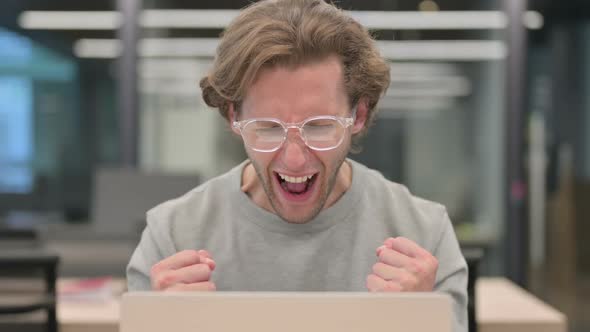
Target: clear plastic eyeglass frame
point(345, 122)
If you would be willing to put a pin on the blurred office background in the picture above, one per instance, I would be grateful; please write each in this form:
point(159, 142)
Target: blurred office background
point(488, 112)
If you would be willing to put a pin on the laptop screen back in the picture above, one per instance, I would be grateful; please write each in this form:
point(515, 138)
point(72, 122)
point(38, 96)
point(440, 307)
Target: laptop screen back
point(285, 312)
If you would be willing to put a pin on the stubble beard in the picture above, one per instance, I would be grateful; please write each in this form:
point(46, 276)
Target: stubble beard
point(316, 208)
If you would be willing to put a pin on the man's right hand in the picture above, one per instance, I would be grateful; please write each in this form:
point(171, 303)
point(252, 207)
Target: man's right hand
point(188, 270)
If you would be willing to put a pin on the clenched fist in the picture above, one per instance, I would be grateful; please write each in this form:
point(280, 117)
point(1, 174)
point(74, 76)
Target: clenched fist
point(403, 266)
point(188, 270)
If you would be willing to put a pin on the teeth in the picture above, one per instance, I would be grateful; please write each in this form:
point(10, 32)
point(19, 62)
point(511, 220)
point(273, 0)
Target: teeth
point(295, 179)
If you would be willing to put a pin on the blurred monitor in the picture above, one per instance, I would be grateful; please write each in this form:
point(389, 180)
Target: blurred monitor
point(122, 196)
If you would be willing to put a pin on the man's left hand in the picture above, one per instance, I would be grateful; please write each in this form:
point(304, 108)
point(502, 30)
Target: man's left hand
point(403, 266)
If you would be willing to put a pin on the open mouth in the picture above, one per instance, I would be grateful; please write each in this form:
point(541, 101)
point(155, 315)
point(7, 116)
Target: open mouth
point(297, 186)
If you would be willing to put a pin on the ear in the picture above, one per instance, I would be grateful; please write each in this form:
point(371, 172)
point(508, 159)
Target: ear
point(231, 117)
point(362, 111)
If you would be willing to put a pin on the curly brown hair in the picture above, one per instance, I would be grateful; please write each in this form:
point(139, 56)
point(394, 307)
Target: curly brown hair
point(292, 33)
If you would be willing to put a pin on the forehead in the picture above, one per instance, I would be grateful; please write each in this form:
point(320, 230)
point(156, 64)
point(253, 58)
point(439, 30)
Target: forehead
point(306, 90)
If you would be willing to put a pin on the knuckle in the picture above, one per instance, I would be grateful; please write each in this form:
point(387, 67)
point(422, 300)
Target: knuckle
point(401, 239)
point(167, 280)
point(155, 270)
point(405, 282)
point(375, 267)
point(369, 282)
point(392, 287)
point(417, 267)
point(160, 282)
point(408, 282)
point(172, 278)
point(191, 255)
point(434, 263)
point(205, 270)
point(204, 253)
point(382, 254)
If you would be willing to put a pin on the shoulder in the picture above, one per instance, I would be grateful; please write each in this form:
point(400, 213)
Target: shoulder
point(192, 208)
point(404, 213)
point(395, 194)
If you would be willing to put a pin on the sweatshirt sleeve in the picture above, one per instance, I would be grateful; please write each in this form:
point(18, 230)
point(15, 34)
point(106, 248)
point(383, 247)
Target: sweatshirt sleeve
point(155, 244)
point(452, 274)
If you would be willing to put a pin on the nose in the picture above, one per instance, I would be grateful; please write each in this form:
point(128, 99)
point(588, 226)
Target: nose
point(294, 151)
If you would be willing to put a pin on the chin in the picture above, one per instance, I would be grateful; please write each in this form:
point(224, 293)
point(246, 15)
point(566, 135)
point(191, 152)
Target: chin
point(299, 212)
point(297, 219)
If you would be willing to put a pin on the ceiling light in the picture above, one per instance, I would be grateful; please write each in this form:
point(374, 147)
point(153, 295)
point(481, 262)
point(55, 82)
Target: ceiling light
point(439, 86)
point(180, 69)
point(70, 20)
point(188, 18)
point(447, 20)
point(422, 69)
point(451, 89)
point(218, 18)
point(428, 6)
point(533, 20)
point(398, 108)
point(449, 50)
point(176, 18)
point(97, 48)
point(178, 47)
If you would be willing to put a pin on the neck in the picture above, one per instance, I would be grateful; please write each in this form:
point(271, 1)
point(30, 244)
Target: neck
point(342, 183)
point(253, 188)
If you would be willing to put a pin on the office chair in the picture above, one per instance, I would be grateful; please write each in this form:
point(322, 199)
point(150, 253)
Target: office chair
point(473, 257)
point(20, 267)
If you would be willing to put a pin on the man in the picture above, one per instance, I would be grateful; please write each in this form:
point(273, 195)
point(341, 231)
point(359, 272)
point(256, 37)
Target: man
point(299, 80)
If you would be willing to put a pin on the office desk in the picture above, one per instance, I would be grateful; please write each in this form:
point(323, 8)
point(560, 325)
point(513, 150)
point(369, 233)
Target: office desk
point(501, 306)
point(90, 315)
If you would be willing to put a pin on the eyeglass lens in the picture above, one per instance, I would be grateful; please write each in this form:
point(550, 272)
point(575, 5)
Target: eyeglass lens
point(269, 135)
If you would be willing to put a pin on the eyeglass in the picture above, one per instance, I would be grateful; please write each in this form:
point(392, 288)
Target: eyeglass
point(319, 133)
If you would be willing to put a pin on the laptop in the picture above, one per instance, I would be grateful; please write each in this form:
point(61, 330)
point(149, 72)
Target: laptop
point(285, 312)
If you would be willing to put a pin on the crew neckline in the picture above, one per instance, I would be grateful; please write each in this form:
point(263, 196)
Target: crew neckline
point(335, 214)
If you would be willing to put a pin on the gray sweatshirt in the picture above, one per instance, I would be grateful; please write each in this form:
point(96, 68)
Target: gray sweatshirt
point(255, 250)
